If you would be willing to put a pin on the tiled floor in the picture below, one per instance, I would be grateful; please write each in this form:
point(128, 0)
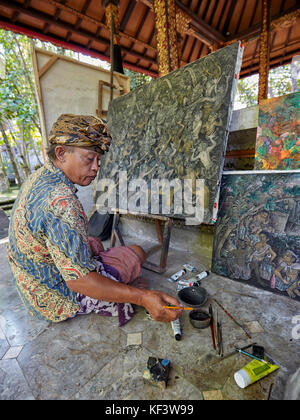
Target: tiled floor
point(90, 357)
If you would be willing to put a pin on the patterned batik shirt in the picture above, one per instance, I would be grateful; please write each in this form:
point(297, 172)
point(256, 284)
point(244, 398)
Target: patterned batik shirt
point(48, 244)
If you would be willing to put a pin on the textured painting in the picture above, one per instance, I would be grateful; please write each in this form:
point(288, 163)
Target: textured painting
point(176, 127)
point(257, 234)
point(278, 133)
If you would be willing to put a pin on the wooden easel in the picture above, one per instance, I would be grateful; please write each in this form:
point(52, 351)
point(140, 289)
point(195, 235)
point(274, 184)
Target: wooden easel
point(163, 236)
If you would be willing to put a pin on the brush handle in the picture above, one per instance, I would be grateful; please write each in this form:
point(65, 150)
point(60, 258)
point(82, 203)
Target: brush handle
point(231, 317)
point(178, 307)
point(252, 356)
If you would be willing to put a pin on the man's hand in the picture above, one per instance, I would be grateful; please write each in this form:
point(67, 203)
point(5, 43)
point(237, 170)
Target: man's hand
point(95, 245)
point(100, 287)
point(154, 301)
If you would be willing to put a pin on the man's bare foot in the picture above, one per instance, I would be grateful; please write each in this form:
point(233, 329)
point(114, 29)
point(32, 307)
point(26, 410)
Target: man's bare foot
point(140, 282)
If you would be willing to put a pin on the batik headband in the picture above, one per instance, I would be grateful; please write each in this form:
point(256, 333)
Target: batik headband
point(81, 131)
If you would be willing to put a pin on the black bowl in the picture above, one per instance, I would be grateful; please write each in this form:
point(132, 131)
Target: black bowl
point(193, 296)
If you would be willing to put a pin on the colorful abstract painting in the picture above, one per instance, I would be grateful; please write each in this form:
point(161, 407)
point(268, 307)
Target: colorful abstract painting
point(257, 234)
point(175, 128)
point(278, 133)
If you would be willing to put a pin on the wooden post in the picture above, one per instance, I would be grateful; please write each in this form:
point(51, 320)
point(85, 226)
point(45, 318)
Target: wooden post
point(112, 21)
point(112, 33)
point(166, 36)
point(264, 53)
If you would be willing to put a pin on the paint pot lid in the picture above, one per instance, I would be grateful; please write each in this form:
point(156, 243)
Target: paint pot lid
point(193, 296)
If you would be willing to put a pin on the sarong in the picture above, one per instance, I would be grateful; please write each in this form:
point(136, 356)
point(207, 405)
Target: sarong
point(126, 268)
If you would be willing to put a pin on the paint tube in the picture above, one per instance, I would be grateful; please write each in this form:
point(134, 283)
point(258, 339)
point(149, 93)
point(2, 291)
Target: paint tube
point(202, 275)
point(177, 276)
point(190, 268)
point(188, 282)
point(194, 281)
point(181, 286)
point(176, 329)
point(253, 372)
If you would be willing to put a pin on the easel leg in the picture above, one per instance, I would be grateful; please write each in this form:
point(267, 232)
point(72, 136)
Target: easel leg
point(116, 234)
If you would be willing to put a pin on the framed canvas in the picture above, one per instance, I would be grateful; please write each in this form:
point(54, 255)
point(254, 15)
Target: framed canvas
point(257, 234)
point(278, 133)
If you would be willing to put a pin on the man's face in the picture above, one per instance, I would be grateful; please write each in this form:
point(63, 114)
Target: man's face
point(81, 165)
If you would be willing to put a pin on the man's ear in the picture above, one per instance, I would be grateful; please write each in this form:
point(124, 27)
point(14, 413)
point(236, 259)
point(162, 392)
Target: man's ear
point(60, 153)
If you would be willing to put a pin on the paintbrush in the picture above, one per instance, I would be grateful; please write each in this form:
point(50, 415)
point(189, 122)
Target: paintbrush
point(251, 355)
point(179, 307)
point(231, 317)
point(220, 339)
point(232, 354)
point(212, 326)
point(216, 333)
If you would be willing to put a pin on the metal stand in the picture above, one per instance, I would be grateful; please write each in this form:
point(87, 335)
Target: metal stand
point(163, 236)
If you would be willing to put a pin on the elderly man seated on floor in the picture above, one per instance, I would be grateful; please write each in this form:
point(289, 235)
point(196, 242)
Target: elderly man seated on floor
point(59, 270)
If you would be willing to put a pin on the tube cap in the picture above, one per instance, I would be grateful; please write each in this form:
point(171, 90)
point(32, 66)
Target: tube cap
point(242, 378)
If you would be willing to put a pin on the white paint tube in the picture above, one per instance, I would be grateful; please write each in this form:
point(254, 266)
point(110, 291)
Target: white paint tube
point(176, 329)
point(192, 281)
point(202, 275)
point(190, 268)
point(181, 286)
point(177, 276)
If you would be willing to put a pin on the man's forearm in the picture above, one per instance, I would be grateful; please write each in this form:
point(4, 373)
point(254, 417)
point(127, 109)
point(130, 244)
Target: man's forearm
point(100, 287)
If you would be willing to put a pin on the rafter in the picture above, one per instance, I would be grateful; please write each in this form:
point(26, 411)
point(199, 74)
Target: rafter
point(96, 22)
point(89, 36)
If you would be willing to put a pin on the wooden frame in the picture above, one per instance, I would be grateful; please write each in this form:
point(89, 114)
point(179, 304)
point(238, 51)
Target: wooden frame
point(163, 236)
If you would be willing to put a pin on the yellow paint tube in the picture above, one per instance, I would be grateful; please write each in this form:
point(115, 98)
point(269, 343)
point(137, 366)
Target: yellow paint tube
point(253, 372)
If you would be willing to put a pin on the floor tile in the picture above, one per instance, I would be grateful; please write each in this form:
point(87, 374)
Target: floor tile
point(13, 352)
point(13, 385)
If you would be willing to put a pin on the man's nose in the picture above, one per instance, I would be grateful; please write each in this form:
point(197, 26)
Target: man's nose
point(95, 165)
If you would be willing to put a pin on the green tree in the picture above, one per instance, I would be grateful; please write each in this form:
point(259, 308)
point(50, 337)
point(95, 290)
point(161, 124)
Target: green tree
point(137, 79)
point(279, 83)
point(20, 125)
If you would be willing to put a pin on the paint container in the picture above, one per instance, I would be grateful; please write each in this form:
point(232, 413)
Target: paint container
point(253, 372)
point(177, 276)
point(193, 296)
point(190, 268)
point(199, 319)
point(176, 329)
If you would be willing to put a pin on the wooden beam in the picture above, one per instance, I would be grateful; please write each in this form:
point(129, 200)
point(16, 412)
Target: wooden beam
point(289, 17)
point(47, 66)
point(229, 16)
point(127, 14)
point(198, 28)
point(201, 26)
point(98, 23)
point(12, 5)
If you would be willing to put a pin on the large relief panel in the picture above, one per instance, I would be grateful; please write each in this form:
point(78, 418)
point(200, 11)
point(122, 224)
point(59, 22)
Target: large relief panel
point(175, 128)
